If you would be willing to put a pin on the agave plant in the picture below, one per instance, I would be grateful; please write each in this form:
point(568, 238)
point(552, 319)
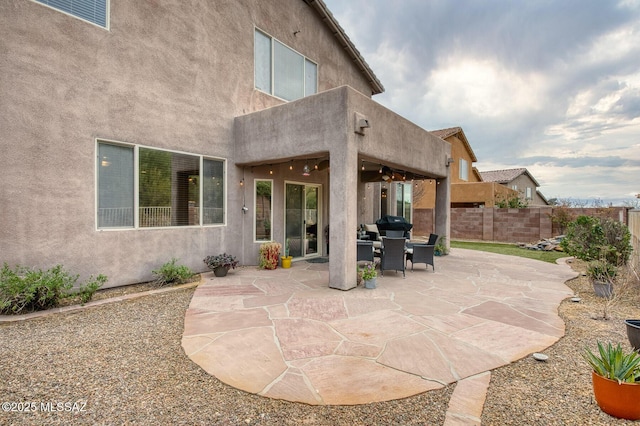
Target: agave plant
point(612, 363)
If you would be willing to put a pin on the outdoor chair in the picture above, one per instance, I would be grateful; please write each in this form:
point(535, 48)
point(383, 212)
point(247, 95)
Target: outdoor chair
point(421, 253)
point(392, 255)
point(433, 239)
point(365, 251)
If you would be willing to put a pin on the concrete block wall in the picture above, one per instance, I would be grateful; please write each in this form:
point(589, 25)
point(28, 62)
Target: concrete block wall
point(423, 222)
point(467, 223)
point(516, 225)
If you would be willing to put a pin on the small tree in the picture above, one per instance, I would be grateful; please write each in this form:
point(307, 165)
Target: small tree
point(592, 238)
point(511, 202)
point(562, 216)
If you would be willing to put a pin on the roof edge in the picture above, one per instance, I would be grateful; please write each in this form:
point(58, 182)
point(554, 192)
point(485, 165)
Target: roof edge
point(328, 18)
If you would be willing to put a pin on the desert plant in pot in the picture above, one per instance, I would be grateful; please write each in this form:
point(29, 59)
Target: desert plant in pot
point(369, 275)
point(616, 380)
point(602, 274)
point(221, 263)
point(633, 333)
point(286, 259)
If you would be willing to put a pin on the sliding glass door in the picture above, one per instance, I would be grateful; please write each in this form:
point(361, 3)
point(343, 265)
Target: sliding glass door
point(302, 219)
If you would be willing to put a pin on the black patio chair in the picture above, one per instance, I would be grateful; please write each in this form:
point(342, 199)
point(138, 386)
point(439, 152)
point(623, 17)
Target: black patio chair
point(392, 255)
point(422, 253)
point(365, 251)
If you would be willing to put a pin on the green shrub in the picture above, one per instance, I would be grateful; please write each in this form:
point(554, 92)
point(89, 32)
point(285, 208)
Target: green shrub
point(170, 273)
point(87, 290)
point(25, 290)
point(592, 238)
point(601, 270)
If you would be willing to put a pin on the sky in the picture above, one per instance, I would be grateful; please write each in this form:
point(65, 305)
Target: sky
point(549, 85)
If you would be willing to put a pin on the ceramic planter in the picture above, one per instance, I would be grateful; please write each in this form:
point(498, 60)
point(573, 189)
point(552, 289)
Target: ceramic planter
point(633, 332)
point(286, 261)
point(617, 399)
point(220, 271)
point(370, 283)
point(603, 288)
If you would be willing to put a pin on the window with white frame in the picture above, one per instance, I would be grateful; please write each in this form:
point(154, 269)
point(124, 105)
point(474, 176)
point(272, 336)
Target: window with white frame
point(464, 169)
point(173, 188)
point(94, 11)
point(263, 210)
point(529, 193)
point(281, 71)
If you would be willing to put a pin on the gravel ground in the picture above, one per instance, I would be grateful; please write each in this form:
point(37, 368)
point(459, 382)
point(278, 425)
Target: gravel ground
point(122, 363)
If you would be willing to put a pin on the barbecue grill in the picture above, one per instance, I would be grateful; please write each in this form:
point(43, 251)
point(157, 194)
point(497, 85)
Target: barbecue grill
point(393, 223)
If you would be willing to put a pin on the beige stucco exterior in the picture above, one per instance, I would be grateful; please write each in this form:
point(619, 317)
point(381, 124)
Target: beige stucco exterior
point(180, 78)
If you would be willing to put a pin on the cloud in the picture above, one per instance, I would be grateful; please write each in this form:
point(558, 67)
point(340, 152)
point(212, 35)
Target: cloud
point(551, 86)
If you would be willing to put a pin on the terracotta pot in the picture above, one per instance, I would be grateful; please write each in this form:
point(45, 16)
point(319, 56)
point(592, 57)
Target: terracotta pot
point(633, 333)
point(618, 400)
point(220, 271)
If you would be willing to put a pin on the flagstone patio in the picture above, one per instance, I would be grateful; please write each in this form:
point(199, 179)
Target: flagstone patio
point(285, 334)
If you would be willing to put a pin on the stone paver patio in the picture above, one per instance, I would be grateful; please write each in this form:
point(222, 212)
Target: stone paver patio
point(285, 334)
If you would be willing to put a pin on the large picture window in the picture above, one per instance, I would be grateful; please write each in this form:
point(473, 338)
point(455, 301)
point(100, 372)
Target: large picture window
point(94, 11)
point(173, 189)
point(281, 71)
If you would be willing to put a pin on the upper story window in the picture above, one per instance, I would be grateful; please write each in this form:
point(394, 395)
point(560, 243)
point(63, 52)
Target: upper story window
point(94, 11)
point(281, 71)
point(140, 187)
point(464, 169)
point(529, 193)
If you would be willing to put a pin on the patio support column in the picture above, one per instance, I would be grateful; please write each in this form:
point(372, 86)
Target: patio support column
point(443, 207)
point(343, 215)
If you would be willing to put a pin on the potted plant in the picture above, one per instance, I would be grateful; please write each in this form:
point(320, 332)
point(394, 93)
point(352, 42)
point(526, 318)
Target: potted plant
point(441, 247)
point(369, 275)
point(616, 380)
point(601, 273)
point(633, 333)
point(286, 259)
point(221, 263)
point(269, 255)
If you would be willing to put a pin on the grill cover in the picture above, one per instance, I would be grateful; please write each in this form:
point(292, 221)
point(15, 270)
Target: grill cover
point(393, 223)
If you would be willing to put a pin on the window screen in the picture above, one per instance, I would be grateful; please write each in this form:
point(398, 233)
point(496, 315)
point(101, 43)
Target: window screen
point(90, 10)
point(115, 186)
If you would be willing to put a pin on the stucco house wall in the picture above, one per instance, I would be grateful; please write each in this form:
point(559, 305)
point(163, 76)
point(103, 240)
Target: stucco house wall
point(162, 75)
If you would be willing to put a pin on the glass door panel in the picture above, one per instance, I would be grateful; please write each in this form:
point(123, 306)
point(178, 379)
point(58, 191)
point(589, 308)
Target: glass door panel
point(311, 220)
point(302, 220)
point(294, 209)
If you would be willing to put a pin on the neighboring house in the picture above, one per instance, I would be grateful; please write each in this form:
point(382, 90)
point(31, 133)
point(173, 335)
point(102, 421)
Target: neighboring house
point(136, 131)
point(467, 186)
point(519, 180)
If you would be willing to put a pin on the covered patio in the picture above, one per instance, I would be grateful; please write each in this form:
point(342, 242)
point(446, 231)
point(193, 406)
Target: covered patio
point(356, 144)
point(284, 334)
